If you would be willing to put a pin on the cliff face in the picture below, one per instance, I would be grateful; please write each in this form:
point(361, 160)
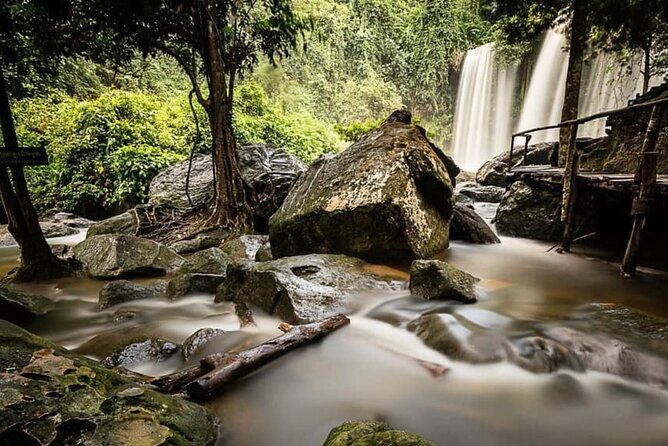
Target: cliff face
point(620, 150)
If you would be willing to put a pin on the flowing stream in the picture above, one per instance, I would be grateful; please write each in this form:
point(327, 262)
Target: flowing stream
point(366, 370)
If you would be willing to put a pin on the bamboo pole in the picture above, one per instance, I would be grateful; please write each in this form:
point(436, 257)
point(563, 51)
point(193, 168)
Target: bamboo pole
point(642, 203)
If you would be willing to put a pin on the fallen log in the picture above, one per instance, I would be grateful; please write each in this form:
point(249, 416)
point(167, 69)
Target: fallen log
point(216, 371)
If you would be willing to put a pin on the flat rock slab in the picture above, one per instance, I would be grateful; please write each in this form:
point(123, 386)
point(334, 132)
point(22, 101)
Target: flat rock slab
point(49, 229)
point(388, 197)
point(300, 289)
point(94, 405)
point(115, 256)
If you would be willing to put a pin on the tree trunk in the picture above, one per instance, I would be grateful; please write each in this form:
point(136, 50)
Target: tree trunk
point(37, 260)
point(574, 74)
point(230, 207)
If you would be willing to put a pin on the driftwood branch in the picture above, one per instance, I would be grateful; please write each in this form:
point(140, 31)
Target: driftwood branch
point(217, 371)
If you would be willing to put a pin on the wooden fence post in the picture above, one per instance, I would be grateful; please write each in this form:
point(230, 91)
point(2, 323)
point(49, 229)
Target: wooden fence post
point(642, 203)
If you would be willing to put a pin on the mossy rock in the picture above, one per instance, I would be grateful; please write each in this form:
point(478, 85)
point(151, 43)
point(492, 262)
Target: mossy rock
point(372, 433)
point(17, 306)
point(51, 396)
point(433, 279)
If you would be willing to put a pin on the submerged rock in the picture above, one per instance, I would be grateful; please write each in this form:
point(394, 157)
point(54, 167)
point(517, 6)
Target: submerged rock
point(531, 212)
point(300, 289)
point(468, 226)
point(17, 306)
point(196, 340)
point(387, 197)
point(121, 291)
point(125, 223)
point(433, 279)
point(114, 256)
point(372, 433)
point(127, 348)
point(94, 405)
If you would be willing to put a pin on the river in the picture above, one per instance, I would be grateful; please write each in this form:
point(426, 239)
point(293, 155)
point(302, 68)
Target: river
point(364, 371)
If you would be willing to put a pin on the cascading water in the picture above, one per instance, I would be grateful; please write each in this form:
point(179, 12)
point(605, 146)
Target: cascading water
point(483, 118)
point(545, 96)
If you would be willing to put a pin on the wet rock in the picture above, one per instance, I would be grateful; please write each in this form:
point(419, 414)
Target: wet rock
point(477, 193)
point(114, 256)
point(208, 261)
point(72, 220)
point(125, 223)
point(94, 405)
point(245, 247)
point(196, 340)
point(464, 177)
point(610, 355)
point(269, 171)
point(459, 198)
point(127, 348)
point(531, 212)
point(50, 230)
point(370, 433)
point(121, 291)
point(120, 316)
point(200, 241)
point(542, 355)
point(433, 279)
point(187, 283)
point(631, 324)
point(62, 251)
point(387, 197)
point(300, 289)
point(468, 226)
point(443, 333)
point(17, 306)
point(493, 172)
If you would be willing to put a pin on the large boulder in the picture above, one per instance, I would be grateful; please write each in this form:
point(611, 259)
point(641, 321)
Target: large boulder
point(246, 247)
point(468, 226)
point(267, 170)
point(300, 289)
point(17, 306)
point(387, 197)
point(51, 396)
point(434, 279)
point(115, 256)
point(372, 433)
point(530, 211)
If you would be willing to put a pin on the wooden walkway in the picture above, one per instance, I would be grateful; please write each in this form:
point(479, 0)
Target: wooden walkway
point(617, 182)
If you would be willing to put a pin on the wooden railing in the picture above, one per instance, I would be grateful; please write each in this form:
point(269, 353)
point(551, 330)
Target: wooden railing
point(647, 173)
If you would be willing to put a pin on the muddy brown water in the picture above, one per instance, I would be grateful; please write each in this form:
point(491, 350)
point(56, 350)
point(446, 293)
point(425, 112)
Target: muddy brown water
point(362, 371)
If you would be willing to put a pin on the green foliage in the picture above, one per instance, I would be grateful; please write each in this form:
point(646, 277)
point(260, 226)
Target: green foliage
point(103, 152)
point(354, 131)
point(257, 120)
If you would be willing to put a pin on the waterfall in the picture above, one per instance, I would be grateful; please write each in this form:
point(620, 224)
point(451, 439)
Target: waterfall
point(545, 96)
point(483, 113)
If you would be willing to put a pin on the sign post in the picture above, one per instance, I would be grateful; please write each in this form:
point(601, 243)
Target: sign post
point(24, 156)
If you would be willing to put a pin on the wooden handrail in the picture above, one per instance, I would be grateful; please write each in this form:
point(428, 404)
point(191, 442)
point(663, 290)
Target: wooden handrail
point(619, 111)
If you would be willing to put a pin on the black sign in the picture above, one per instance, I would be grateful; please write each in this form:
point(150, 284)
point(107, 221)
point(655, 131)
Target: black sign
point(25, 156)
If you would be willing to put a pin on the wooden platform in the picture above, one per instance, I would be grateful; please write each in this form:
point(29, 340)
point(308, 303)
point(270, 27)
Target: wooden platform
point(623, 183)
